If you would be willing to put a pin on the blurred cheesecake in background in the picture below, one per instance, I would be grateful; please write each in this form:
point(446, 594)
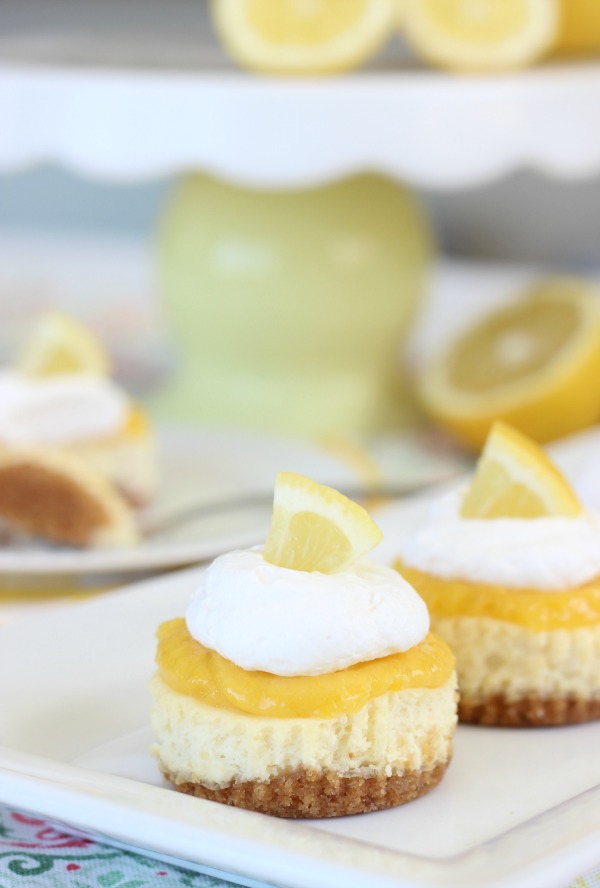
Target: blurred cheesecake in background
point(46, 494)
point(76, 455)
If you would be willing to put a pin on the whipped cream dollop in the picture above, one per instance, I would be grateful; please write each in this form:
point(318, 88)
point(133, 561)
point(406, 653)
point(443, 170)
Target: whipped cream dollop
point(291, 622)
point(60, 409)
point(546, 554)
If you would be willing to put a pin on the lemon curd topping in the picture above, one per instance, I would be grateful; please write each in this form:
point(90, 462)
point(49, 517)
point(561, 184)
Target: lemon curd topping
point(572, 608)
point(191, 669)
point(135, 425)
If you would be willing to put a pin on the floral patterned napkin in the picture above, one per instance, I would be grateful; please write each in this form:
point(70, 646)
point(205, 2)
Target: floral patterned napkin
point(35, 854)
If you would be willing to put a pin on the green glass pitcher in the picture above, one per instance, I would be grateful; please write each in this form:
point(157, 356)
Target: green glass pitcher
point(288, 309)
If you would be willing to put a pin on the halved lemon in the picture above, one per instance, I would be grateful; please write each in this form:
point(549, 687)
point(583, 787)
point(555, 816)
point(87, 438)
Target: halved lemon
point(399, 13)
point(481, 35)
point(579, 27)
point(302, 36)
point(534, 364)
point(515, 479)
point(61, 344)
point(316, 528)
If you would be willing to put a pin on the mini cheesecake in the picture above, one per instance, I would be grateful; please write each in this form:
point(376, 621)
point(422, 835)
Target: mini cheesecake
point(303, 694)
point(83, 416)
point(373, 736)
point(509, 568)
point(524, 657)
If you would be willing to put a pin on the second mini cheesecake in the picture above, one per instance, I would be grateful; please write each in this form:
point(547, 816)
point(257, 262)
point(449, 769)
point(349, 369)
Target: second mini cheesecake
point(304, 692)
point(510, 571)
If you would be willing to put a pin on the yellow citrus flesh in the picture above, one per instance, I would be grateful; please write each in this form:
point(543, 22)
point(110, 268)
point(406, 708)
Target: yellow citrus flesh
point(136, 424)
point(534, 364)
point(538, 611)
point(316, 528)
point(579, 27)
point(61, 344)
point(515, 479)
point(481, 35)
point(293, 22)
point(191, 669)
point(302, 36)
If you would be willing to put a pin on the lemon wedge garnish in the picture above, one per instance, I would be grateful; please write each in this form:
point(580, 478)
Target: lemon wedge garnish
point(534, 364)
point(61, 344)
point(316, 528)
point(515, 479)
point(481, 35)
point(302, 36)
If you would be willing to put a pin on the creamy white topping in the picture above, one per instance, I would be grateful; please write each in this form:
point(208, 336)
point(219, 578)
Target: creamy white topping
point(546, 554)
point(291, 622)
point(60, 409)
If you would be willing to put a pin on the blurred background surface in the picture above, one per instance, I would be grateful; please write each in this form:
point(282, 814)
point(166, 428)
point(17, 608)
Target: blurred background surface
point(110, 248)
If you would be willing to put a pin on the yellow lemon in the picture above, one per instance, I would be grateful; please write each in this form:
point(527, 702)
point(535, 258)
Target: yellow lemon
point(316, 528)
point(302, 36)
point(481, 35)
point(515, 479)
point(61, 344)
point(399, 12)
point(579, 27)
point(534, 364)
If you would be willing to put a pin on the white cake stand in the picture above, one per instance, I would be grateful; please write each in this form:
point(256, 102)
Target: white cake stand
point(121, 102)
point(423, 127)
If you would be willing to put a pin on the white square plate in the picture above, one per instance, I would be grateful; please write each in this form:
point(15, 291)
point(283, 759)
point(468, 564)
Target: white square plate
point(518, 808)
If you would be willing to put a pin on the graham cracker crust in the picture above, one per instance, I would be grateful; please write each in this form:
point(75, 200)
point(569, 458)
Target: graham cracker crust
point(305, 793)
point(47, 503)
point(529, 711)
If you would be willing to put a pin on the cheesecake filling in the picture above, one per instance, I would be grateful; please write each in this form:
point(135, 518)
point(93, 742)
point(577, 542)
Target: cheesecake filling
point(393, 734)
point(551, 665)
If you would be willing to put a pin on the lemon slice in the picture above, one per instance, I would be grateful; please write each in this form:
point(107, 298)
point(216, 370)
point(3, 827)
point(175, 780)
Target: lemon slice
point(481, 35)
point(534, 364)
point(515, 479)
point(61, 344)
point(316, 528)
point(302, 36)
point(579, 27)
